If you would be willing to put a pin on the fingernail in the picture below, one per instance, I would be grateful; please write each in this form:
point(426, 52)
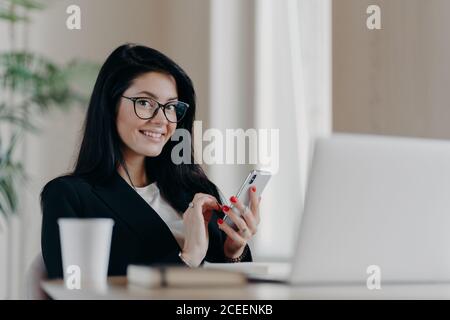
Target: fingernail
point(253, 189)
point(233, 199)
point(219, 221)
point(225, 208)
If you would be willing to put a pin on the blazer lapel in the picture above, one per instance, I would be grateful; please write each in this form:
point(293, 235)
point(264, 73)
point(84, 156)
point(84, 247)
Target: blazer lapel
point(140, 217)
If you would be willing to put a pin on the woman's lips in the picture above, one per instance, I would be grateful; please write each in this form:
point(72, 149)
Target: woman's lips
point(155, 136)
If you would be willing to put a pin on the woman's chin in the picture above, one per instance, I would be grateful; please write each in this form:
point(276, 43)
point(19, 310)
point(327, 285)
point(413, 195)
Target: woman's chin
point(152, 151)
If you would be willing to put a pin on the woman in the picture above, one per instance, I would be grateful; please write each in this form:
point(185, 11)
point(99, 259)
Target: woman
point(163, 212)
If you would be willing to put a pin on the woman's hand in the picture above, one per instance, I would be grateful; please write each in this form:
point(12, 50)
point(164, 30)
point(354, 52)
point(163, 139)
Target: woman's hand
point(247, 224)
point(195, 220)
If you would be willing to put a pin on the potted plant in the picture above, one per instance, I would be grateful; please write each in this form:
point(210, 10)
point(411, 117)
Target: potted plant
point(30, 84)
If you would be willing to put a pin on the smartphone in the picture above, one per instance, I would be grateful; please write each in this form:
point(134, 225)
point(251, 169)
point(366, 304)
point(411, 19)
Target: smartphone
point(257, 178)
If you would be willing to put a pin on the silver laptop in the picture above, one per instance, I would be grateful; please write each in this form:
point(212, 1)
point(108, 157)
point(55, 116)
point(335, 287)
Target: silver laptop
point(375, 203)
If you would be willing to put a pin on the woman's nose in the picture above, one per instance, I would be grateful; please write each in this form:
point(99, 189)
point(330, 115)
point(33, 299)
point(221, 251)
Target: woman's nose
point(159, 117)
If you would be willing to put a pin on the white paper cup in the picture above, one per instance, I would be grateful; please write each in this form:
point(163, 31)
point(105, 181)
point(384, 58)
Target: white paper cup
point(85, 248)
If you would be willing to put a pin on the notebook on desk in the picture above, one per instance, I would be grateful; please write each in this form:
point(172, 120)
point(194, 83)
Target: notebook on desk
point(180, 276)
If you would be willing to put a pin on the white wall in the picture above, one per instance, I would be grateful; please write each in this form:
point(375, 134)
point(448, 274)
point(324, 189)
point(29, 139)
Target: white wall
point(231, 80)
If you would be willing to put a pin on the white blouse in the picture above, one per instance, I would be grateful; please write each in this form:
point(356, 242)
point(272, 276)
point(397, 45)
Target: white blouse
point(168, 214)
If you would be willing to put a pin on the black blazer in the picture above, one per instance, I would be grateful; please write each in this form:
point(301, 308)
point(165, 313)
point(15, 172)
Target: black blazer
point(139, 236)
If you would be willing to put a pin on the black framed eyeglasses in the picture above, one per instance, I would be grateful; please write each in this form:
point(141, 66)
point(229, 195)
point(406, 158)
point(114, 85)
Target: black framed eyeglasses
point(146, 108)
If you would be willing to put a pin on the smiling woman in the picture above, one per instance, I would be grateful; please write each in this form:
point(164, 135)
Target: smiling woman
point(163, 212)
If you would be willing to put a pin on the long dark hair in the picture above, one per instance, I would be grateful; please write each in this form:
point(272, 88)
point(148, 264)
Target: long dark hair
point(100, 151)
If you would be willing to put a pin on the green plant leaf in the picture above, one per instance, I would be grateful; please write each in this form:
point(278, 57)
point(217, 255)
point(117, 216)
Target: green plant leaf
point(8, 194)
point(12, 17)
point(45, 83)
point(10, 171)
point(29, 4)
point(16, 117)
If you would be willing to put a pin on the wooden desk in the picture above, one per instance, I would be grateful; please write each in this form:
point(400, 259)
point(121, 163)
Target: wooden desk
point(119, 289)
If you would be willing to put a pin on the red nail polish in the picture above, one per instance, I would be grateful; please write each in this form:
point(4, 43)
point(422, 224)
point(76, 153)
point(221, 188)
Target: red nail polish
point(219, 221)
point(233, 199)
point(225, 208)
point(253, 189)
